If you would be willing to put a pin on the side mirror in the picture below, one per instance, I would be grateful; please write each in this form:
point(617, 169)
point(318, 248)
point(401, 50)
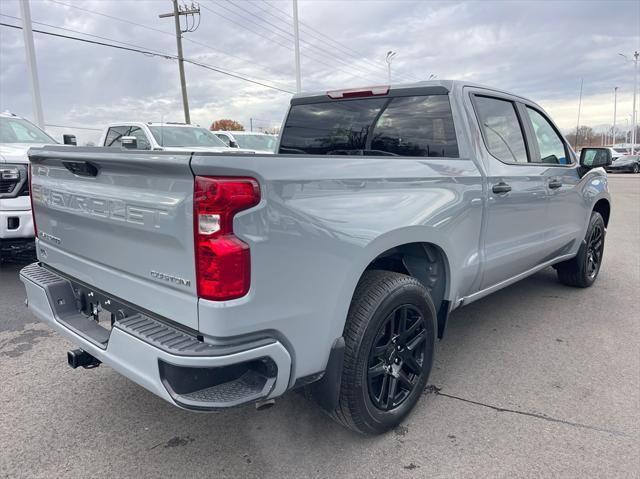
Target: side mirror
point(595, 157)
point(129, 142)
point(233, 144)
point(69, 140)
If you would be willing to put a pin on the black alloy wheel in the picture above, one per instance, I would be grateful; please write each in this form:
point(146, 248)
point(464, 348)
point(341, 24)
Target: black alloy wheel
point(595, 248)
point(396, 357)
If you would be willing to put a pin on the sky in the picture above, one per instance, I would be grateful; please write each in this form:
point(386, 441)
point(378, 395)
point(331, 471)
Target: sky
point(538, 49)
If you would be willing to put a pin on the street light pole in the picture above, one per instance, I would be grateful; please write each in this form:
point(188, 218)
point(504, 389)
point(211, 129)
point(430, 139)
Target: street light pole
point(575, 142)
point(31, 63)
point(388, 59)
point(634, 120)
point(615, 103)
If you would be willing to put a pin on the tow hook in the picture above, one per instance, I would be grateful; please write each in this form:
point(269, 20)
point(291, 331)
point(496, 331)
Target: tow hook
point(79, 357)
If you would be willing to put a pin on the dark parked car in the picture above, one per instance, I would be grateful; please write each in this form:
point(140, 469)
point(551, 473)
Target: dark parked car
point(625, 164)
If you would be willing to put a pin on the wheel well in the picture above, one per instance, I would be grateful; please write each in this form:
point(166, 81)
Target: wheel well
point(428, 264)
point(602, 206)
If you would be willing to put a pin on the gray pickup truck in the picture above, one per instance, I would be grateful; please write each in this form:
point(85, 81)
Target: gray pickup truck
point(216, 280)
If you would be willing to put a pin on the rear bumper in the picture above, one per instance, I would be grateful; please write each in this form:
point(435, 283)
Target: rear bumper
point(182, 369)
point(16, 224)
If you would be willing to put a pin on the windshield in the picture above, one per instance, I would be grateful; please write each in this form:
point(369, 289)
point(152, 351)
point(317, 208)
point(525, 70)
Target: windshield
point(16, 130)
point(185, 136)
point(256, 142)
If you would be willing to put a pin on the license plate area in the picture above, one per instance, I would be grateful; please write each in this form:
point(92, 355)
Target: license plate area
point(96, 314)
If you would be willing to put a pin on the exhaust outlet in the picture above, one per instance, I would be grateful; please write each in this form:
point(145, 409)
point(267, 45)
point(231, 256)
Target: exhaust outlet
point(265, 404)
point(79, 357)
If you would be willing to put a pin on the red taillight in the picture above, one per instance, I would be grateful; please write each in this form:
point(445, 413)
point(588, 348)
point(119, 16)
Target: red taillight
point(33, 212)
point(359, 92)
point(223, 263)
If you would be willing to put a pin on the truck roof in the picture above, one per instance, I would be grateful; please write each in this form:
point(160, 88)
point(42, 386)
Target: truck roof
point(444, 86)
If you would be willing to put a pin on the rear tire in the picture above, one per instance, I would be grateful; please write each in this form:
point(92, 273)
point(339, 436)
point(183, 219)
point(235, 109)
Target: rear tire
point(582, 270)
point(389, 343)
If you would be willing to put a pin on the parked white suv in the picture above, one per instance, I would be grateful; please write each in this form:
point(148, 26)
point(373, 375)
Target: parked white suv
point(259, 142)
point(166, 136)
point(17, 135)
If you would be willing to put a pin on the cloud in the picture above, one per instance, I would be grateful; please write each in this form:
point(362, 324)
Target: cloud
point(540, 50)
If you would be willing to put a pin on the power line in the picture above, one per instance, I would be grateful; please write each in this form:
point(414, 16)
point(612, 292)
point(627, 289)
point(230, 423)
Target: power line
point(94, 12)
point(345, 48)
point(285, 45)
point(162, 55)
point(289, 36)
point(119, 47)
point(374, 68)
point(81, 33)
point(147, 27)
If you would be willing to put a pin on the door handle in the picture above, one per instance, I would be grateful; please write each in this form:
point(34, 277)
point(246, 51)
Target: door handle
point(501, 188)
point(554, 184)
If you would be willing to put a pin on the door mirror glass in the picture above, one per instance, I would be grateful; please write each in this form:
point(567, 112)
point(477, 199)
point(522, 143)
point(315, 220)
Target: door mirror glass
point(595, 157)
point(130, 142)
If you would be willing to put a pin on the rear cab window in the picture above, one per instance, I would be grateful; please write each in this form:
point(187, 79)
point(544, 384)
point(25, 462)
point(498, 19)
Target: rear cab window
point(413, 126)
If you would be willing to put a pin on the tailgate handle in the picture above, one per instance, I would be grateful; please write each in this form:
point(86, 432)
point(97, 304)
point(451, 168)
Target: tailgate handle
point(81, 168)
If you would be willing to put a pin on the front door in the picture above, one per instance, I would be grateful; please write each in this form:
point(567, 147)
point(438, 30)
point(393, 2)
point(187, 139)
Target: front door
point(566, 218)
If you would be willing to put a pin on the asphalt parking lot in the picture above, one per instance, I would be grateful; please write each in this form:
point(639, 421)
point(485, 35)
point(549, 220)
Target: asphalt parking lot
point(537, 380)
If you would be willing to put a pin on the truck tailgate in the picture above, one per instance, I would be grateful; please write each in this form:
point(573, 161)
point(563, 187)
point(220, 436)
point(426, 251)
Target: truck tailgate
point(119, 221)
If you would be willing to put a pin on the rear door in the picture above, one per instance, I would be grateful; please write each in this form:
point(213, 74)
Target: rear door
point(514, 240)
point(120, 221)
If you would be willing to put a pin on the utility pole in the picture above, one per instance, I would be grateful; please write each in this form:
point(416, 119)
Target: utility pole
point(31, 63)
point(615, 104)
point(177, 12)
point(296, 44)
point(250, 124)
point(575, 143)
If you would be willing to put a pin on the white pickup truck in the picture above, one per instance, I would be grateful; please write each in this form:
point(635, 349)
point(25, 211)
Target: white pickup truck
point(167, 136)
point(17, 135)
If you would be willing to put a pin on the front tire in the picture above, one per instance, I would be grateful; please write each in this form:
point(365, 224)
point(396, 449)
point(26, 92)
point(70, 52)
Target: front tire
point(389, 343)
point(583, 270)
point(636, 168)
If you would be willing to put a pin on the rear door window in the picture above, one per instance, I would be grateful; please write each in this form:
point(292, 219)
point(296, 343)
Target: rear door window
point(501, 129)
point(418, 126)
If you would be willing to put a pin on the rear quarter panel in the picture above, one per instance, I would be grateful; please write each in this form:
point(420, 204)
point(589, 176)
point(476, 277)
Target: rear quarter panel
point(321, 221)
